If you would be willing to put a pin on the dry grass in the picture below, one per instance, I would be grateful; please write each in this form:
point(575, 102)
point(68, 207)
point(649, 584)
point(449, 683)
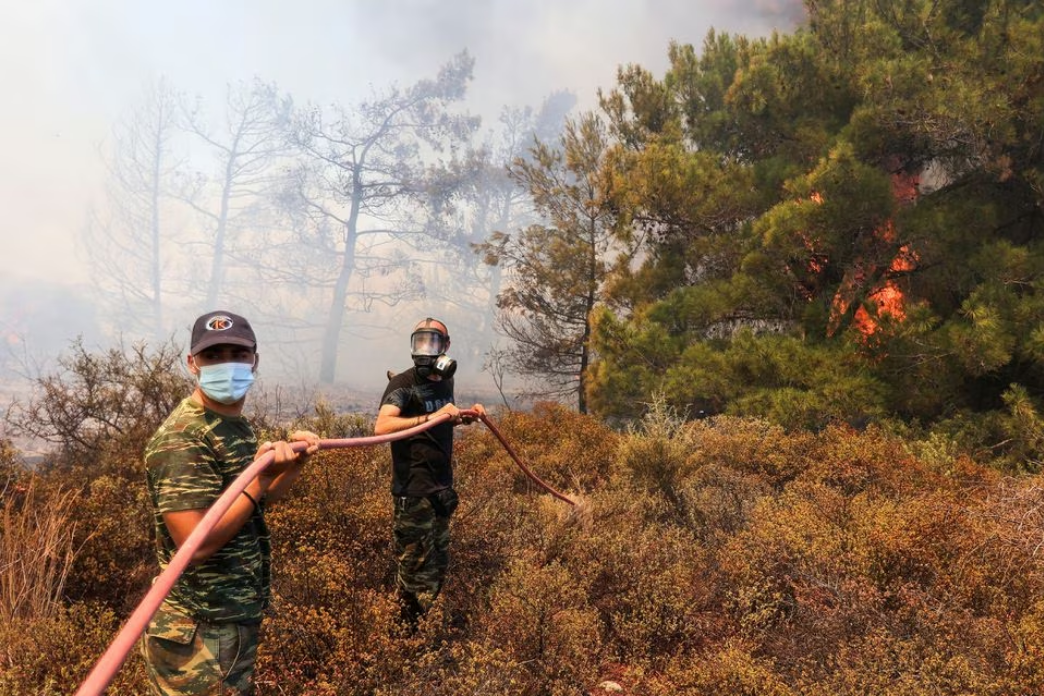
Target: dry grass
point(36, 551)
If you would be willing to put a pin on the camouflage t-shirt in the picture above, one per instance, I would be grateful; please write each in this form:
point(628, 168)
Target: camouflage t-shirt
point(189, 462)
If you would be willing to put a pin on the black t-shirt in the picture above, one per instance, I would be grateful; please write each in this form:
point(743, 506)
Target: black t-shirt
point(422, 464)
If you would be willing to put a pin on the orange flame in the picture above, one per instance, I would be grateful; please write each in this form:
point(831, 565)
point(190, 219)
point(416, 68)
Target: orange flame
point(887, 298)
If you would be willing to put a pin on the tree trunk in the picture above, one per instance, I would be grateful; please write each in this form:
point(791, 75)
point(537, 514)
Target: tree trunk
point(335, 317)
point(157, 271)
point(217, 261)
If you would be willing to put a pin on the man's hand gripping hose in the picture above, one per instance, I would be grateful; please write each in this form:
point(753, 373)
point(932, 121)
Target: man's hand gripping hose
point(115, 655)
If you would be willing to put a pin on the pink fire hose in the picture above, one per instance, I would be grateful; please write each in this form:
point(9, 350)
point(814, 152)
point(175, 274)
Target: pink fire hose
point(113, 658)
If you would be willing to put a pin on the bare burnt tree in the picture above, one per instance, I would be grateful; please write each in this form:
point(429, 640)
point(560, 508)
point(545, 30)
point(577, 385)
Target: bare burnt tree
point(487, 200)
point(368, 183)
point(245, 149)
point(125, 236)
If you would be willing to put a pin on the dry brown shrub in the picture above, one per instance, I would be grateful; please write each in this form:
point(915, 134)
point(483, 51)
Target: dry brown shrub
point(539, 616)
point(653, 583)
point(752, 446)
point(115, 558)
point(348, 647)
point(98, 410)
point(718, 501)
point(732, 669)
point(565, 449)
point(865, 544)
point(539, 527)
point(868, 461)
point(501, 512)
point(470, 667)
point(709, 472)
point(899, 542)
point(658, 458)
point(51, 656)
point(333, 609)
point(12, 472)
point(793, 551)
point(813, 564)
point(339, 509)
point(1014, 508)
point(489, 527)
point(938, 660)
point(1026, 654)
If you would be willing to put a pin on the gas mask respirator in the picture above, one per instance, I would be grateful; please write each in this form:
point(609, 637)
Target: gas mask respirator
point(428, 347)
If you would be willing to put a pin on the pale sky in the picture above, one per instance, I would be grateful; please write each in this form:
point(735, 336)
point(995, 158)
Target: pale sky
point(70, 68)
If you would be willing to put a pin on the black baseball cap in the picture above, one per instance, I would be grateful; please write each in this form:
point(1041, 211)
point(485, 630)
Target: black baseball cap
point(214, 328)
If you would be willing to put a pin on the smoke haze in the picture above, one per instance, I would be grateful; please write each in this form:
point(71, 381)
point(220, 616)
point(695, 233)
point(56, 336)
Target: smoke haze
point(71, 70)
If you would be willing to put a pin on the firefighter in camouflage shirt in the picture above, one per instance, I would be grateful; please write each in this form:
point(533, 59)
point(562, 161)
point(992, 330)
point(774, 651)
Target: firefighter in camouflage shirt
point(203, 639)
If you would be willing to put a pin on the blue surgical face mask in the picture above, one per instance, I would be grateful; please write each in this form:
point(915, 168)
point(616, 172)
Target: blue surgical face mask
point(226, 383)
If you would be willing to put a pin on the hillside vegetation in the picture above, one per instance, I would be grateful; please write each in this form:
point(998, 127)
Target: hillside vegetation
point(720, 556)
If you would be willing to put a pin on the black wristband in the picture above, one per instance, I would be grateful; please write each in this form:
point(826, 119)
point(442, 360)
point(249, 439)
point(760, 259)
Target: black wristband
point(257, 508)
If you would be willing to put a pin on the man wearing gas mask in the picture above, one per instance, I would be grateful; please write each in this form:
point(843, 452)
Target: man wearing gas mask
point(422, 466)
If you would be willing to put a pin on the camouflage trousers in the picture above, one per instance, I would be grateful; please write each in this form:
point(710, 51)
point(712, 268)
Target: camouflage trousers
point(184, 657)
point(422, 551)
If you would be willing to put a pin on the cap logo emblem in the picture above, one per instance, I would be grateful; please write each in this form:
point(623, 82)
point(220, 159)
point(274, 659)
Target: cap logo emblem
point(219, 323)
